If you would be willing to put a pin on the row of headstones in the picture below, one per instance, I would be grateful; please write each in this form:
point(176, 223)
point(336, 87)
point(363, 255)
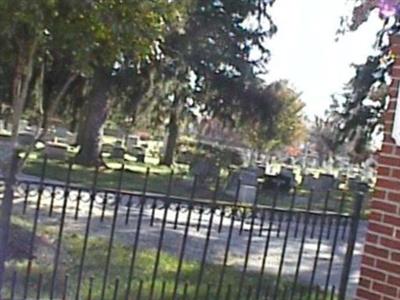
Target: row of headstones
point(247, 178)
point(118, 151)
point(57, 139)
point(27, 134)
point(329, 182)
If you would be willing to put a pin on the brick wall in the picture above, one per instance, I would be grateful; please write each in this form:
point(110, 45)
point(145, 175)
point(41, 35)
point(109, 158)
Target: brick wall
point(380, 270)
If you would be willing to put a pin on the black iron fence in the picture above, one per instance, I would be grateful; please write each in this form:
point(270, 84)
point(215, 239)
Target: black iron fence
point(73, 242)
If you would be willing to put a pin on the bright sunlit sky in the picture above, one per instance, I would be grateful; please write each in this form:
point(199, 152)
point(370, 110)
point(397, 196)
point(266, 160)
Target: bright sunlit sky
point(305, 52)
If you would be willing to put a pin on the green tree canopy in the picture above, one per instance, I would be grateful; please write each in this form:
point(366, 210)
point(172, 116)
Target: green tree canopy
point(208, 64)
point(358, 110)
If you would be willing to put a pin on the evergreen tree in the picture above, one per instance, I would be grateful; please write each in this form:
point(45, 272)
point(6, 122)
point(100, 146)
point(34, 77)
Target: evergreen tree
point(358, 111)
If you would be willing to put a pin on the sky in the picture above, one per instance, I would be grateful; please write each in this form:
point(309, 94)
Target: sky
point(304, 49)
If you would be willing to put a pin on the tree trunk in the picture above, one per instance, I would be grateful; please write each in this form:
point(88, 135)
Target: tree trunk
point(95, 112)
point(5, 215)
point(9, 166)
point(173, 132)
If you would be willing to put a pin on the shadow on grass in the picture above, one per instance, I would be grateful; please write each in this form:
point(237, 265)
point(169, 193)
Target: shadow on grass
point(121, 255)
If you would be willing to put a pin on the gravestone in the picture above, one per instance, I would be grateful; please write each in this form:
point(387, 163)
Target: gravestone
point(71, 139)
point(231, 185)
point(34, 128)
point(107, 148)
point(118, 151)
point(323, 184)
point(287, 177)
point(204, 169)
point(308, 181)
point(56, 151)
point(25, 139)
point(62, 135)
point(23, 125)
point(357, 185)
point(5, 138)
point(326, 182)
point(113, 132)
point(247, 179)
point(50, 134)
point(131, 142)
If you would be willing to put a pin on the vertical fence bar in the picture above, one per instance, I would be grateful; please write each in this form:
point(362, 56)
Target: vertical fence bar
point(317, 292)
point(184, 240)
point(262, 223)
point(104, 205)
point(26, 198)
point(344, 228)
point(177, 210)
point(249, 292)
point(116, 286)
point(140, 289)
point(280, 220)
point(284, 294)
point(267, 291)
point(302, 292)
point(313, 225)
point(34, 229)
point(185, 291)
point(65, 287)
point(201, 211)
point(334, 243)
point(52, 198)
point(243, 218)
point(207, 241)
point(208, 291)
point(161, 239)
point(91, 279)
point(136, 240)
point(248, 246)
point(228, 242)
point(221, 219)
point(128, 211)
point(112, 233)
point(78, 201)
point(320, 237)
point(355, 219)
point(60, 231)
point(153, 212)
point(285, 242)
point(329, 229)
point(333, 293)
point(87, 230)
point(163, 287)
point(39, 286)
point(303, 239)
point(266, 246)
point(13, 284)
point(296, 230)
point(228, 292)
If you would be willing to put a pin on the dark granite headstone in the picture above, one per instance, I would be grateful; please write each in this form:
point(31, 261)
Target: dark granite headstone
point(56, 151)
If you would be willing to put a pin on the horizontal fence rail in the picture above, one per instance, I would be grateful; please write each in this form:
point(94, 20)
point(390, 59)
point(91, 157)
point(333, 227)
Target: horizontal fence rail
point(74, 242)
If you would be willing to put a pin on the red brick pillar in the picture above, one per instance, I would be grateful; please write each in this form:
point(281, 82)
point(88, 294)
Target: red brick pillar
point(380, 269)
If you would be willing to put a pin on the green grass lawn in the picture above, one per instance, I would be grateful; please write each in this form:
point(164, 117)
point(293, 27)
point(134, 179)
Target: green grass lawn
point(133, 178)
point(119, 267)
